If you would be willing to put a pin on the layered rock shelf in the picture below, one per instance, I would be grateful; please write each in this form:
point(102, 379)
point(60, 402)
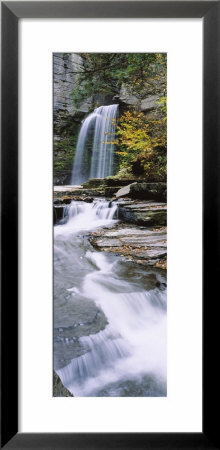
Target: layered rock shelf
point(114, 188)
point(139, 235)
point(148, 214)
point(140, 245)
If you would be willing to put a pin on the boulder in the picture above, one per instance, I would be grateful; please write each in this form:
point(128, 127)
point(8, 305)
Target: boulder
point(147, 215)
point(149, 103)
point(123, 192)
point(88, 199)
point(149, 191)
point(144, 191)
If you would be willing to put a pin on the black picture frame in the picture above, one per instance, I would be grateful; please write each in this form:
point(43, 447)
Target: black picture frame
point(11, 12)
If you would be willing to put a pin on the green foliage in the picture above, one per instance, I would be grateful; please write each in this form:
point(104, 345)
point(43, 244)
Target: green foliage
point(105, 73)
point(64, 146)
point(63, 155)
point(163, 103)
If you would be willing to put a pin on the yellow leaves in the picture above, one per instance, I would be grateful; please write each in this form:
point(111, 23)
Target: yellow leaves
point(108, 142)
point(163, 104)
point(142, 143)
point(133, 132)
point(161, 264)
point(121, 153)
point(159, 141)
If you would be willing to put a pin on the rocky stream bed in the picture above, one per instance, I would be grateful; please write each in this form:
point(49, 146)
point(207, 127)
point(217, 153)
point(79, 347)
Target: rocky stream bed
point(140, 233)
point(137, 237)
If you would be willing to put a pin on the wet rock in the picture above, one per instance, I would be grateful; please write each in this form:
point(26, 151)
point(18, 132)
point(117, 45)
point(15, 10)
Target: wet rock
point(87, 320)
point(145, 386)
point(82, 198)
point(58, 212)
point(144, 246)
point(76, 192)
point(58, 201)
point(66, 200)
point(88, 199)
point(58, 388)
point(148, 214)
point(77, 198)
point(111, 187)
point(66, 191)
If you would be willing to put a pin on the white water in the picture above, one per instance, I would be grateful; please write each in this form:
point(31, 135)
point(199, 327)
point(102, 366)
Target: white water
point(84, 216)
point(126, 355)
point(101, 125)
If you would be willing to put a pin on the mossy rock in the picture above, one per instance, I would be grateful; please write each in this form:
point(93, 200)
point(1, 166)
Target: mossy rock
point(143, 217)
point(109, 182)
point(94, 183)
point(110, 191)
point(118, 182)
point(149, 191)
point(58, 388)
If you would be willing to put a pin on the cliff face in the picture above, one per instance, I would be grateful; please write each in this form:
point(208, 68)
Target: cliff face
point(67, 118)
point(65, 66)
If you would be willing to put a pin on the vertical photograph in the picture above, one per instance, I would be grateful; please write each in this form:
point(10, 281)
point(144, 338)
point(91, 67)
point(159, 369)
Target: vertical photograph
point(110, 224)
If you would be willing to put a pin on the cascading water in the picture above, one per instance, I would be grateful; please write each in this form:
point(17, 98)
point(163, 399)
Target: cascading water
point(109, 315)
point(98, 161)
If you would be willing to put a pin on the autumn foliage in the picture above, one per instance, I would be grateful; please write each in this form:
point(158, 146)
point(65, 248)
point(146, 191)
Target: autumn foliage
point(141, 144)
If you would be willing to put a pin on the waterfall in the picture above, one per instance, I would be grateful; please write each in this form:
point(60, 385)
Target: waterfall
point(95, 145)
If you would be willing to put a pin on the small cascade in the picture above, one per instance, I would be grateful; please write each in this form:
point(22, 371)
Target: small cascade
point(85, 216)
point(110, 335)
point(95, 160)
point(132, 344)
point(102, 351)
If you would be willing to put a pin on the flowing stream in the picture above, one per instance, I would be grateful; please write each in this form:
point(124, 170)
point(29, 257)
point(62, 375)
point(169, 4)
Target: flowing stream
point(95, 145)
point(109, 315)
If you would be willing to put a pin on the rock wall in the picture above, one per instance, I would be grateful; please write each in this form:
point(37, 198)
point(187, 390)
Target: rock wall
point(65, 66)
point(59, 389)
point(66, 118)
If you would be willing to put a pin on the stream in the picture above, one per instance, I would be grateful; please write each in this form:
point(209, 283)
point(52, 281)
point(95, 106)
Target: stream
point(109, 314)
